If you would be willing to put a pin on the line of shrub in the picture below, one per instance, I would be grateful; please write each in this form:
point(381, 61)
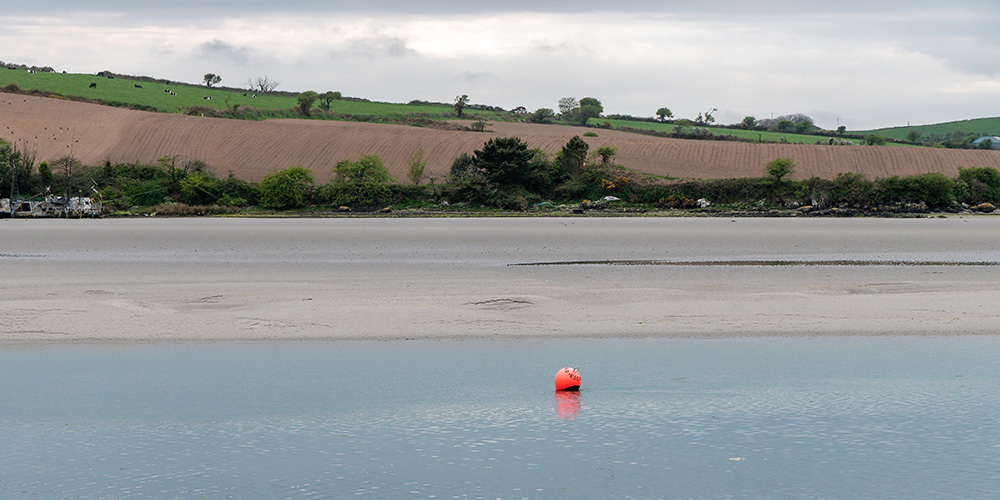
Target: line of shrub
point(506, 174)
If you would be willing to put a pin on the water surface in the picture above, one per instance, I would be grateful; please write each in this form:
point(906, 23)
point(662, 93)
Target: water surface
point(890, 417)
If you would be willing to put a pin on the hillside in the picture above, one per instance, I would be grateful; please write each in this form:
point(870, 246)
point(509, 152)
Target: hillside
point(977, 126)
point(251, 149)
point(174, 97)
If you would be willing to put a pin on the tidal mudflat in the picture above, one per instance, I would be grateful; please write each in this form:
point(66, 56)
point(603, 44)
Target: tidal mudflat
point(318, 279)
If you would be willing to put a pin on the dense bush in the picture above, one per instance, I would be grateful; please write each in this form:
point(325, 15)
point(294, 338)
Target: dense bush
point(363, 183)
point(934, 189)
point(853, 190)
point(981, 185)
point(288, 188)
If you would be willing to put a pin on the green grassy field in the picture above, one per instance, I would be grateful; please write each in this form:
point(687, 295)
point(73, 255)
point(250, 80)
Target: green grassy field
point(978, 126)
point(750, 135)
point(124, 91)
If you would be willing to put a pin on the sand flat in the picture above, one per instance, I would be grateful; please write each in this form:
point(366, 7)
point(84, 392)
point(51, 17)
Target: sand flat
point(203, 279)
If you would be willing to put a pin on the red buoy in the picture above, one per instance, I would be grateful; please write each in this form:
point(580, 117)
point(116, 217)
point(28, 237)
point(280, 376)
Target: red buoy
point(568, 379)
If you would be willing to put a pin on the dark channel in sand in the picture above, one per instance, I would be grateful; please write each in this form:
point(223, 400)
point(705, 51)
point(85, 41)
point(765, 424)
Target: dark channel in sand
point(767, 263)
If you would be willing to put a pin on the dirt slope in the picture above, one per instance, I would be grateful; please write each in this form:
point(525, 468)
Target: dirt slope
point(250, 150)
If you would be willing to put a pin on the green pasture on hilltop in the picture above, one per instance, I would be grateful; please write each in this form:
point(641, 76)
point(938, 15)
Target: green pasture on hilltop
point(977, 126)
point(123, 92)
point(748, 135)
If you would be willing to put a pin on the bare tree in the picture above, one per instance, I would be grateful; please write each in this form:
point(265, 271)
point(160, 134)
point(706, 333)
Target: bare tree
point(262, 83)
point(567, 105)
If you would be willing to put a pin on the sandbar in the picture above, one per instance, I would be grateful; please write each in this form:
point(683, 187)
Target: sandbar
point(393, 279)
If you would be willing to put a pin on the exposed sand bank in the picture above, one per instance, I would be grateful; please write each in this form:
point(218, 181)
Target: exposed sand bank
point(251, 279)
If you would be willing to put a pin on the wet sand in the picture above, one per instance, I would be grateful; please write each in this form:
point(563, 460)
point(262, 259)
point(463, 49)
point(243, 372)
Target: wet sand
point(140, 280)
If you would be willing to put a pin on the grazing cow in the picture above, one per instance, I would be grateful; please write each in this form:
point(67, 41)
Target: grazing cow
point(138, 86)
point(255, 96)
point(208, 98)
point(93, 85)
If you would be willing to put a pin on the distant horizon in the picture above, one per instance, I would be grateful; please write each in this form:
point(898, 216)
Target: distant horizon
point(863, 65)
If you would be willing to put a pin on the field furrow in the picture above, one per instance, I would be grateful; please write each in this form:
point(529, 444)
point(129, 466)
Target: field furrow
point(54, 127)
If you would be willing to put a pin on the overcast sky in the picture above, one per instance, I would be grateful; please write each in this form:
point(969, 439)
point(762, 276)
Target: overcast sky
point(862, 64)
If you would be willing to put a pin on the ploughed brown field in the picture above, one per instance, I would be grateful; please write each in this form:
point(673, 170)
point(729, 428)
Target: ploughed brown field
point(95, 134)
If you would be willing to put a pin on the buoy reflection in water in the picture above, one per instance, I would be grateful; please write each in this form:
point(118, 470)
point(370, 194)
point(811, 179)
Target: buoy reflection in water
point(567, 404)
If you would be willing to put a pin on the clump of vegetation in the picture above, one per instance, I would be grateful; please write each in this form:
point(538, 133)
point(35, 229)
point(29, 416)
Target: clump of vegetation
point(673, 201)
point(287, 189)
point(363, 183)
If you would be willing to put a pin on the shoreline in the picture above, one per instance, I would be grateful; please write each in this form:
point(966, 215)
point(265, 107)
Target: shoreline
point(498, 339)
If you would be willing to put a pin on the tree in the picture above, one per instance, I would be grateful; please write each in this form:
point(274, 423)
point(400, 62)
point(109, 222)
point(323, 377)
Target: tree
point(288, 188)
point(607, 153)
point(15, 169)
point(874, 140)
point(983, 183)
point(710, 115)
point(211, 79)
point(262, 83)
point(542, 115)
point(467, 181)
point(505, 161)
point(460, 103)
point(590, 107)
point(571, 157)
point(328, 97)
point(664, 113)
point(197, 189)
point(804, 126)
point(749, 123)
point(306, 101)
point(913, 136)
point(841, 129)
point(680, 126)
point(47, 178)
point(785, 125)
point(417, 166)
point(364, 182)
point(780, 167)
point(567, 105)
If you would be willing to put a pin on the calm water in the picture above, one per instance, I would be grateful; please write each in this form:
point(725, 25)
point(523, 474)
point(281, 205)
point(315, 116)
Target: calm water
point(746, 418)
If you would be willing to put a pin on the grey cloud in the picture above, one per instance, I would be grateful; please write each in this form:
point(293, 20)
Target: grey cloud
point(546, 47)
point(373, 47)
point(475, 76)
point(218, 48)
